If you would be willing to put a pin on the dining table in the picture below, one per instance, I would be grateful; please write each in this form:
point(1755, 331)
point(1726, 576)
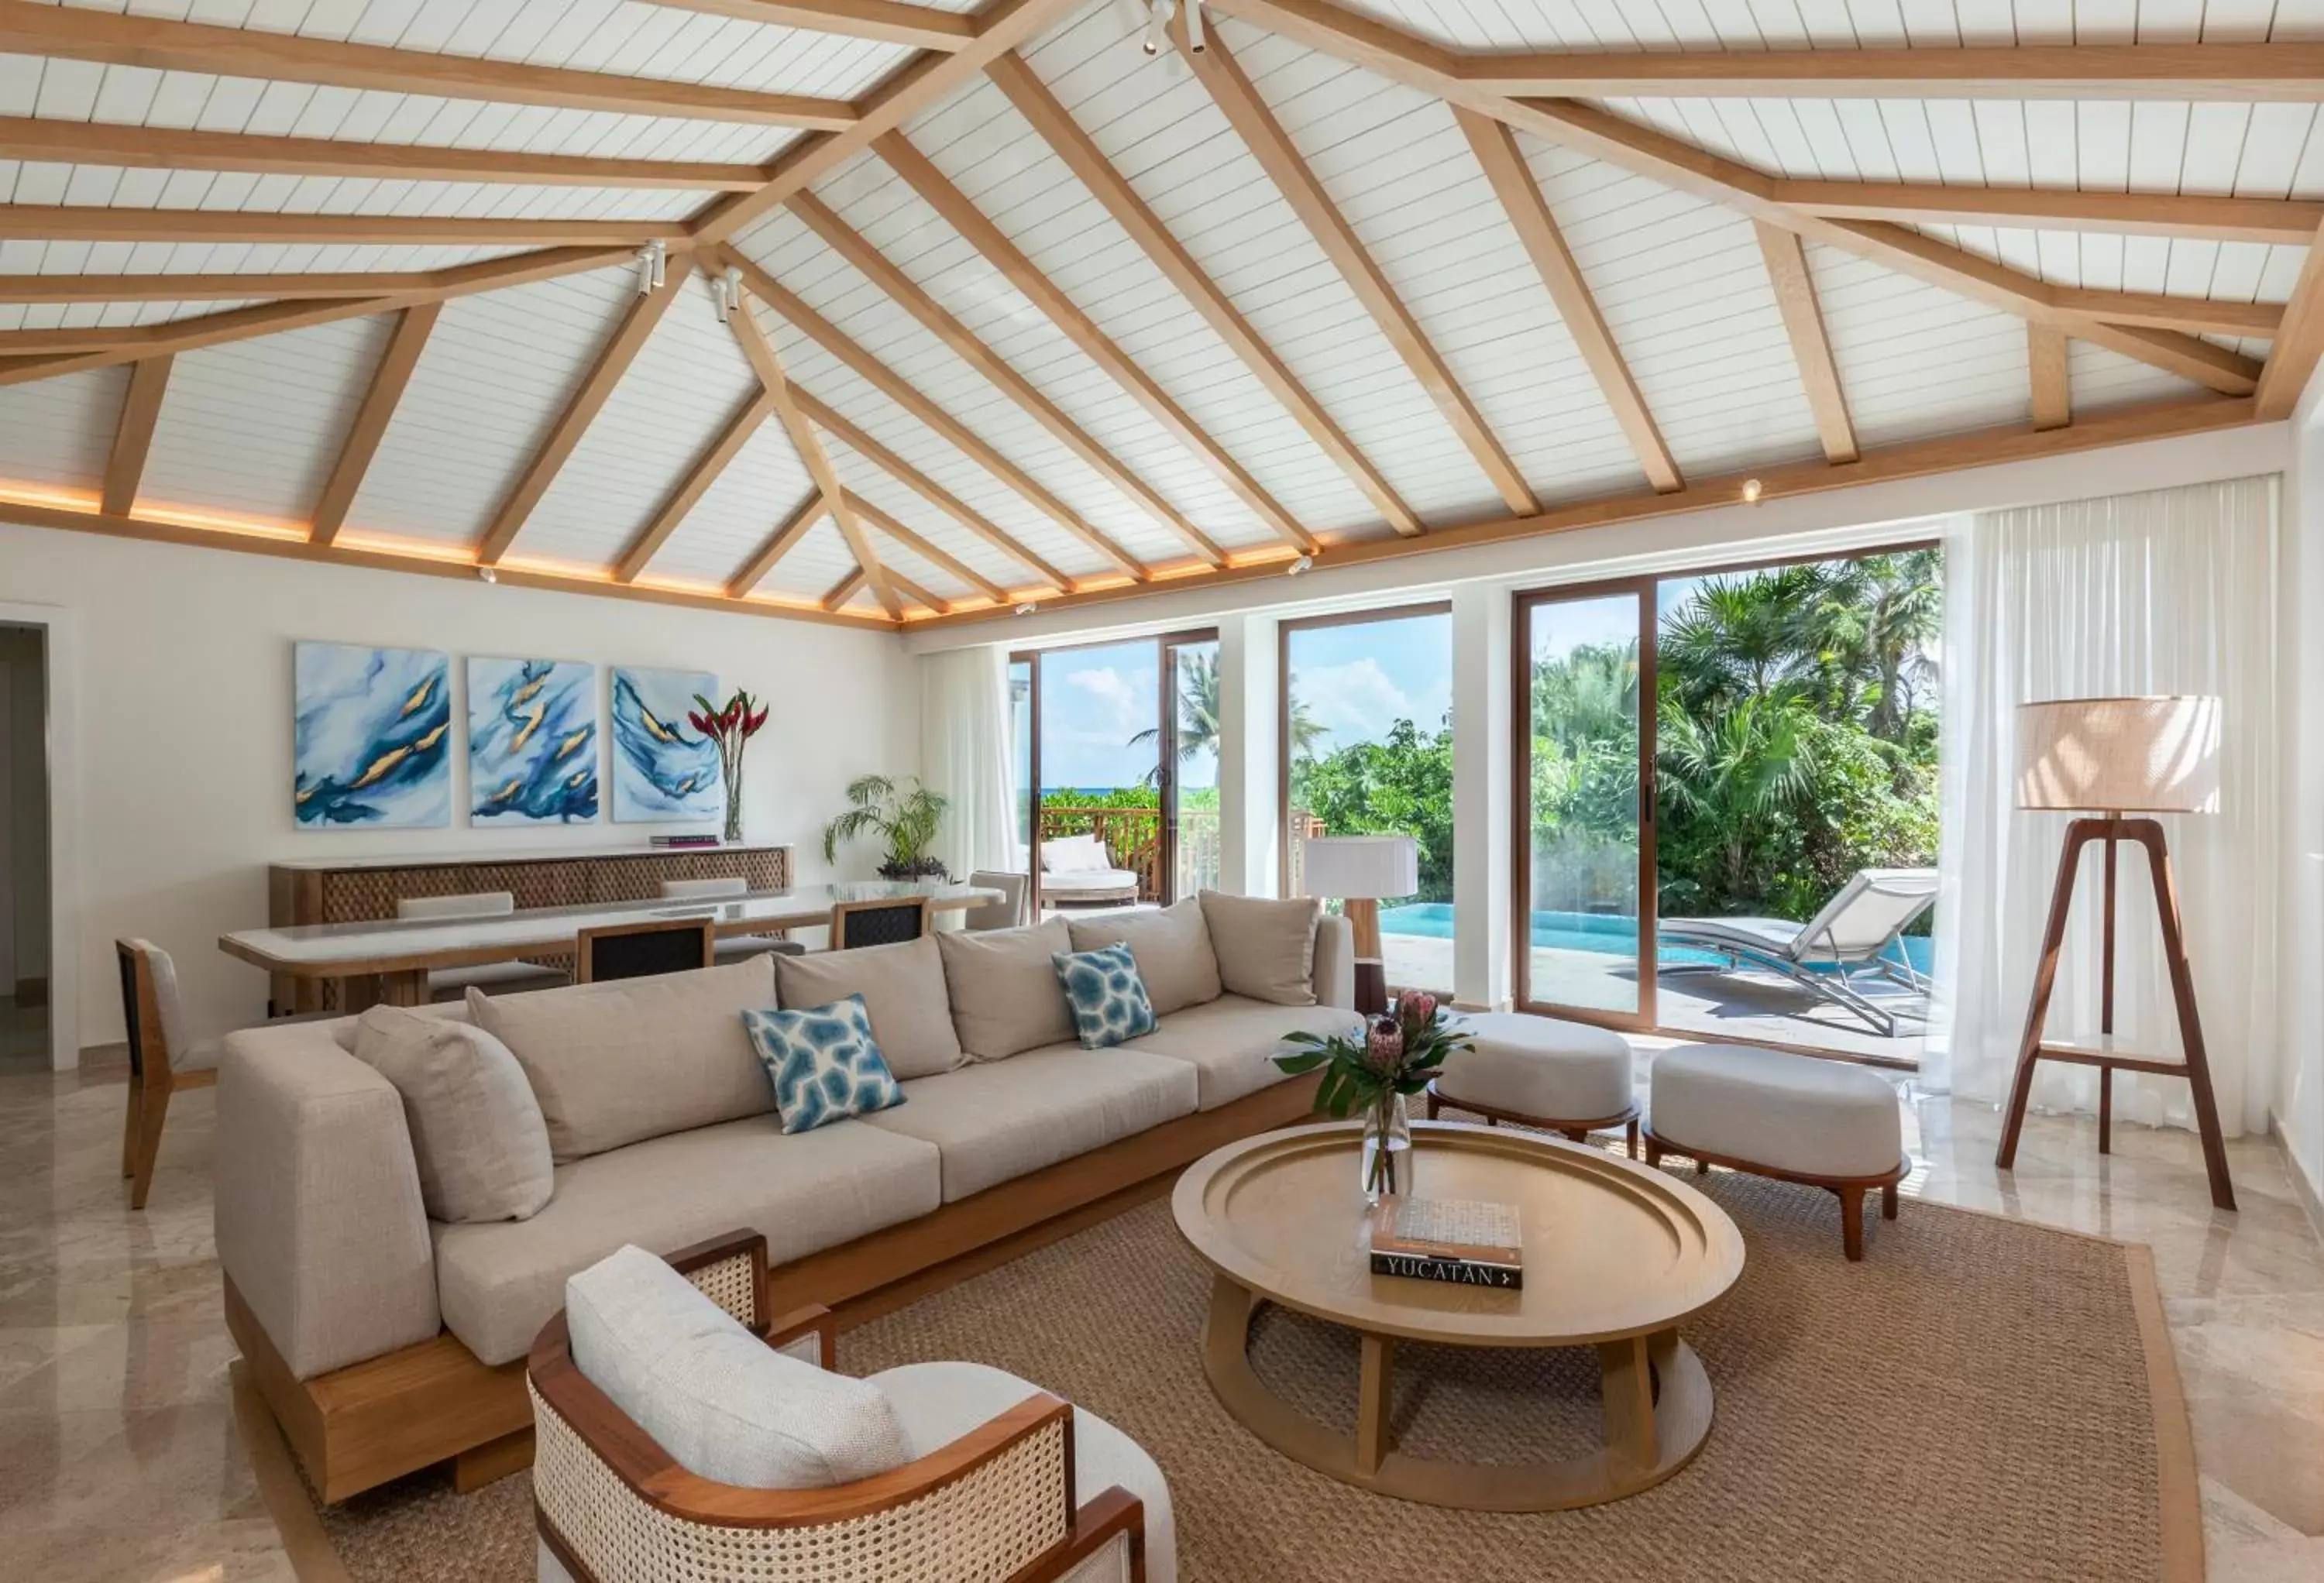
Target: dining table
point(389, 959)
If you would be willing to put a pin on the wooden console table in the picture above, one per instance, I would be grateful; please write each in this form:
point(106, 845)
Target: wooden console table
point(361, 889)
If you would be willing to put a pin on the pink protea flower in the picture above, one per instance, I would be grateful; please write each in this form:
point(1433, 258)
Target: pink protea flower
point(1416, 1010)
point(1384, 1045)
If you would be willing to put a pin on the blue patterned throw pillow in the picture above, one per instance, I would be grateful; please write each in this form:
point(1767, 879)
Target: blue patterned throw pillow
point(825, 1063)
point(1107, 995)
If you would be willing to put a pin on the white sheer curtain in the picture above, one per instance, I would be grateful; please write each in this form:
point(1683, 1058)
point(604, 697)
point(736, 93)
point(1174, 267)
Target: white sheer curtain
point(2171, 592)
point(965, 753)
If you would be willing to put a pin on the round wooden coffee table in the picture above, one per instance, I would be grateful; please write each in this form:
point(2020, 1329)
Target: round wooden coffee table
point(1617, 1256)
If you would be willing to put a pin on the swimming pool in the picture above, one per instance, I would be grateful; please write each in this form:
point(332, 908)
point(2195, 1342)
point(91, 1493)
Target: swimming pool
point(1601, 934)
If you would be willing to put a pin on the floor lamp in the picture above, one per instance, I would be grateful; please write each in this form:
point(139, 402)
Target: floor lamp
point(2122, 760)
point(1361, 870)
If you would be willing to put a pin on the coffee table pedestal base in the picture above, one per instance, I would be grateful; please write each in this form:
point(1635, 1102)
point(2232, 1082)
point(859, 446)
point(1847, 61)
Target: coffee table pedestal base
point(1657, 1404)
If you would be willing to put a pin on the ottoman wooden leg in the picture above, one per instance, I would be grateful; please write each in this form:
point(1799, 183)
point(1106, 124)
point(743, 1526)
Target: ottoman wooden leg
point(1888, 1201)
point(1703, 1167)
point(1653, 1149)
point(1630, 1139)
point(1579, 1134)
point(1851, 1220)
point(1434, 1104)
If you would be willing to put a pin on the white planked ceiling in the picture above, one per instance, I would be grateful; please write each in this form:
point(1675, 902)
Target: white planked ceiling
point(251, 428)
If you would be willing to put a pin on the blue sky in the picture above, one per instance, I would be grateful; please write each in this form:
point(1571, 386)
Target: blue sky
point(1356, 681)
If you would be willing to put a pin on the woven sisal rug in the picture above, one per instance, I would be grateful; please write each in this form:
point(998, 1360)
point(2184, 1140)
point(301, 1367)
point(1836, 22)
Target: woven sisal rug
point(1981, 1400)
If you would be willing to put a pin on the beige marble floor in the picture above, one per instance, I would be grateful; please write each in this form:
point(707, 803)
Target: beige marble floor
point(119, 1459)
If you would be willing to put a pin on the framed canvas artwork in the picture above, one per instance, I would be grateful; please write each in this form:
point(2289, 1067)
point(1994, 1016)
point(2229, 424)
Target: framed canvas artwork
point(664, 771)
point(532, 741)
point(371, 736)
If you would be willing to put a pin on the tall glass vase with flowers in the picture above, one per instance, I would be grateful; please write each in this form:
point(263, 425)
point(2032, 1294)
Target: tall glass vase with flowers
point(732, 727)
point(1373, 1071)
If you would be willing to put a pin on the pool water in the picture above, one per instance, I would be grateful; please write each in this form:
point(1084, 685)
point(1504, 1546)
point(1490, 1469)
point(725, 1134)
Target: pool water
point(1601, 934)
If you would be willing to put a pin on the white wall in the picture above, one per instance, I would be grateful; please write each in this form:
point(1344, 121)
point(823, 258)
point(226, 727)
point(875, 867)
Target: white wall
point(184, 727)
point(2300, 965)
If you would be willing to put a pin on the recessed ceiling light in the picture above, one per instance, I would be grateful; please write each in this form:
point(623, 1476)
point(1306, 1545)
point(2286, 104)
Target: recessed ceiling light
point(1752, 490)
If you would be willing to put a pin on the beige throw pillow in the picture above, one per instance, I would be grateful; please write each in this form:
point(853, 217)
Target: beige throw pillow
point(1005, 997)
point(1266, 949)
point(476, 1131)
point(1172, 946)
point(903, 989)
point(629, 1058)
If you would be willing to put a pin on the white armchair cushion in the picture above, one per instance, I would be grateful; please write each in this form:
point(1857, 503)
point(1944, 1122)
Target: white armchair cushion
point(1075, 854)
point(938, 1402)
point(722, 1404)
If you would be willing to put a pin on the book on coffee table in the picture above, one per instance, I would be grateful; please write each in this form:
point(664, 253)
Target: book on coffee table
point(1462, 1241)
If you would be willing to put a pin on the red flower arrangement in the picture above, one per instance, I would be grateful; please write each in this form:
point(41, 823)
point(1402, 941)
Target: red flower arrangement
point(731, 728)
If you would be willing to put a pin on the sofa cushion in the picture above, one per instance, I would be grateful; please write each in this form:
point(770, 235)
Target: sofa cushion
point(629, 1058)
point(824, 1063)
point(1172, 945)
point(1232, 1040)
point(903, 989)
point(1109, 1003)
point(1001, 1119)
point(806, 1192)
point(1004, 988)
point(477, 1138)
point(724, 1404)
point(1265, 949)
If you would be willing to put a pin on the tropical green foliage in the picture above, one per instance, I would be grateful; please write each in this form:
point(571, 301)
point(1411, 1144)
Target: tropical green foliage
point(1400, 785)
point(902, 813)
point(1198, 714)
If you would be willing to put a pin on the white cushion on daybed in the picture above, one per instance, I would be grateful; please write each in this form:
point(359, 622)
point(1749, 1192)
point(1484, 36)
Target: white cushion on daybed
point(938, 1402)
point(1075, 880)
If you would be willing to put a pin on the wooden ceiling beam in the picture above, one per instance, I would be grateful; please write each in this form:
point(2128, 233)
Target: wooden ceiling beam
point(1512, 180)
point(920, 173)
point(2046, 367)
point(385, 392)
point(163, 288)
point(767, 365)
point(1796, 299)
point(1432, 69)
point(2050, 209)
point(728, 444)
point(1234, 94)
point(930, 551)
point(913, 591)
point(930, 490)
point(211, 329)
point(920, 27)
point(581, 410)
point(2284, 71)
point(913, 298)
point(776, 545)
point(166, 148)
point(71, 33)
point(91, 222)
point(920, 84)
point(791, 307)
point(1064, 134)
point(133, 436)
point(1917, 459)
point(2300, 343)
point(843, 590)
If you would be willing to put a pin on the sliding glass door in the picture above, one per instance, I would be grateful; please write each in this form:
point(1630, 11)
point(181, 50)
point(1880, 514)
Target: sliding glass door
point(1584, 888)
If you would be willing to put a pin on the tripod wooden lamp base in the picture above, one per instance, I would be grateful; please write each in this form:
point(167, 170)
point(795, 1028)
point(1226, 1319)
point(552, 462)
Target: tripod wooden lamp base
point(1361, 870)
point(2115, 756)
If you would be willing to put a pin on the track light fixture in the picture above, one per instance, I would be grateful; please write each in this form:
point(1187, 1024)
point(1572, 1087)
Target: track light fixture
point(1752, 490)
point(1157, 24)
point(486, 574)
point(653, 267)
point(727, 293)
point(1027, 608)
point(1303, 564)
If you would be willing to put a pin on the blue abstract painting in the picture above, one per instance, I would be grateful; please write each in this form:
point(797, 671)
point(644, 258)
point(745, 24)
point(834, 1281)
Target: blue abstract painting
point(532, 741)
point(372, 736)
point(663, 768)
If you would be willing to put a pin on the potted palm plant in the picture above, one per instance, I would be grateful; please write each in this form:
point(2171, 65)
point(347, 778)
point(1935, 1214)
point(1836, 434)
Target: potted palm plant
point(902, 813)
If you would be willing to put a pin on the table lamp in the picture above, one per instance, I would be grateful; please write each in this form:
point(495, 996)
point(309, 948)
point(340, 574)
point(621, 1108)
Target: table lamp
point(1361, 870)
point(2122, 760)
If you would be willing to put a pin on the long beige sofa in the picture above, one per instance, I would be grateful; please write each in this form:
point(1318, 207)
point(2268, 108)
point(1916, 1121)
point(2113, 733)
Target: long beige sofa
point(385, 1341)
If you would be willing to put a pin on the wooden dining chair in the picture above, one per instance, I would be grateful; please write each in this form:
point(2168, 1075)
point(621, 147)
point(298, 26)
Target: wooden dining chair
point(493, 978)
point(878, 923)
point(731, 948)
point(161, 1058)
point(640, 950)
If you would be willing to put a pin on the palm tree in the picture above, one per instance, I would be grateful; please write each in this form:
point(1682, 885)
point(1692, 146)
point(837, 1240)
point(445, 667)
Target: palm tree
point(1736, 772)
point(1744, 637)
point(1588, 696)
point(1198, 716)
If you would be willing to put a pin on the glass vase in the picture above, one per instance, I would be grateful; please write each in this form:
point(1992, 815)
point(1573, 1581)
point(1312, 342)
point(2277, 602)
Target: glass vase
point(734, 809)
point(1386, 1149)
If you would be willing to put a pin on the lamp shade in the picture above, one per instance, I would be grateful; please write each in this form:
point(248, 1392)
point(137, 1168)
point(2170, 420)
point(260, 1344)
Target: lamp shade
point(1358, 866)
point(2119, 755)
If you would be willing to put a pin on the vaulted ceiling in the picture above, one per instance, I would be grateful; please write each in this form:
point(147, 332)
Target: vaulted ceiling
point(1028, 312)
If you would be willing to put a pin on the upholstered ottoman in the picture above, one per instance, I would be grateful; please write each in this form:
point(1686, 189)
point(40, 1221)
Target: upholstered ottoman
point(1793, 1118)
point(1565, 1077)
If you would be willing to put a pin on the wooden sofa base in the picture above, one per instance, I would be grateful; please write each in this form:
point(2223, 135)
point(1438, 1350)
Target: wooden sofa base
point(358, 1427)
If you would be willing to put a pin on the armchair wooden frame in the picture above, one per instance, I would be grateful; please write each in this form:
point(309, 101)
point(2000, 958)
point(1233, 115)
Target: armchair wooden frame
point(152, 1075)
point(585, 942)
point(842, 911)
point(610, 1502)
